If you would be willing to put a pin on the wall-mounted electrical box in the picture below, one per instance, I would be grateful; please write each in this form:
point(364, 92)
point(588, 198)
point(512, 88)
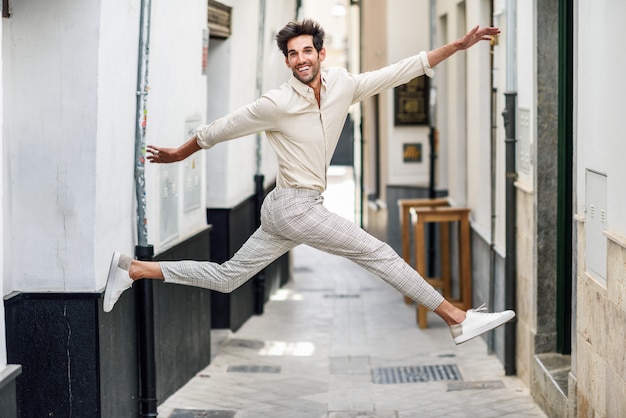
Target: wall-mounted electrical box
point(169, 203)
point(596, 222)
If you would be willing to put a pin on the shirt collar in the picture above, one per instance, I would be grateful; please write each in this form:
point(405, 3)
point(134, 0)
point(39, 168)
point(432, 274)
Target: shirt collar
point(299, 86)
point(303, 89)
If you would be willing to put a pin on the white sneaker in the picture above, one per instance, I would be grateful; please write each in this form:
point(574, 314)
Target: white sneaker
point(478, 322)
point(118, 280)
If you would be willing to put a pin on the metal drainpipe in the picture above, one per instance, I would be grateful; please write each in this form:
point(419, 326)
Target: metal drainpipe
point(259, 280)
point(492, 244)
point(510, 268)
point(143, 251)
point(432, 106)
point(510, 122)
point(492, 152)
point(432, 137)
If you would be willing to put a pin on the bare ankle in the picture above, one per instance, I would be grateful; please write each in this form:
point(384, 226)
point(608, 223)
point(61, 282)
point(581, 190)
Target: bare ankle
point(450, 313)
point(460, 316)
point(133, 270)
point(145, 270)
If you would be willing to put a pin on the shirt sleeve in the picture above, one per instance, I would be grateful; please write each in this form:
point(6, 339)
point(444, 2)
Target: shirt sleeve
point(256, 117)
point(374, 82)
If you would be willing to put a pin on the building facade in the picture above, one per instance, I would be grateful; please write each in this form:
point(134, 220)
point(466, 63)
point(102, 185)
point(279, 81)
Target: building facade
point(73, 112)
point(524, 131)
point(598, 360)
point(528, 140)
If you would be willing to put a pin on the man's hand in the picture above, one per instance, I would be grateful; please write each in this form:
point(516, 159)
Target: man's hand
point(161, 155)
point(471, 38)
point(475, 35)
point(172, 155)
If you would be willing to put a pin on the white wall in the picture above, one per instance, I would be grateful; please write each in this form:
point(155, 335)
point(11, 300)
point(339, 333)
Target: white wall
point(69, 109)
point(176, 95)
point(601, 89)
point(478, 12)
point(50, 53)
point(241, 158)
point(464, 115)
point(115, 226)
point(452, 104)
point(526, 100)
point(3, 352)
point(480, 193)
point(232, 73)
point(176, 103)
point(410, 21)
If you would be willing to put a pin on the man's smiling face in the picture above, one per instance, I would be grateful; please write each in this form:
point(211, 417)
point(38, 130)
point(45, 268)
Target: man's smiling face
point(303, 59)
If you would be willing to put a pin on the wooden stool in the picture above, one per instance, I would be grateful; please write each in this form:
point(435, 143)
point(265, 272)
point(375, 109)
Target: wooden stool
point(405, 224)
point(444, 216)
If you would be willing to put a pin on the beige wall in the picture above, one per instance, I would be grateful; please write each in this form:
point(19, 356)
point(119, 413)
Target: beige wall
point(526, 286)
point(601, 333)
point(598, 126)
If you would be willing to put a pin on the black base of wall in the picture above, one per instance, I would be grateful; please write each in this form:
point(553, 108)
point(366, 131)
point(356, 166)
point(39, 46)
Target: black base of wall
point(79, 361)
point(231, 228)
point(55, 337)
point(182, 320)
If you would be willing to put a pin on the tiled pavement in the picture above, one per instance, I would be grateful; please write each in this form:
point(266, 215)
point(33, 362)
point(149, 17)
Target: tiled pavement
point(323, 337)
point(337, 342)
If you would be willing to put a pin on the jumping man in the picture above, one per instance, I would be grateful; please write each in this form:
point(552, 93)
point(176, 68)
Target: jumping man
point(303, 120)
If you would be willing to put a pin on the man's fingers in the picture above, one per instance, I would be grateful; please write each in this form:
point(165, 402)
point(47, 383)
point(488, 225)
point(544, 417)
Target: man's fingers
point(152, 151)
point(487, 34)
point(152, 154)
point(491, 31)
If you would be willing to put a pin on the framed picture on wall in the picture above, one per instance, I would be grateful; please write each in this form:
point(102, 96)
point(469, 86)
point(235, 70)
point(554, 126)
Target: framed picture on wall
point(411, 102)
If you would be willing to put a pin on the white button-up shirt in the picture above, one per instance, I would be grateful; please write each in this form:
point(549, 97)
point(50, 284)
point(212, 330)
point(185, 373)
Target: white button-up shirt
point(303, 134)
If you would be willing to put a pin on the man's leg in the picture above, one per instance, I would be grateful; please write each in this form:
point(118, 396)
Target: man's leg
point(337, 235)
point(301, 217)
point(257, 252)
point(334, 234)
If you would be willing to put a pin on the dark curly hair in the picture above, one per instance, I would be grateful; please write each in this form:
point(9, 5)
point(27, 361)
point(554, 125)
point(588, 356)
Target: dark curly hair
point(294, 29)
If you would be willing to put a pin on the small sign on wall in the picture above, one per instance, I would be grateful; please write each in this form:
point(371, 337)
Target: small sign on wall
point(205, 50)
point(168, 213)
point(412, 153)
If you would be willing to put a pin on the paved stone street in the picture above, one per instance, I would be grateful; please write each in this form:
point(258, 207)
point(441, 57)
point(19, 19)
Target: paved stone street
point(337, 342)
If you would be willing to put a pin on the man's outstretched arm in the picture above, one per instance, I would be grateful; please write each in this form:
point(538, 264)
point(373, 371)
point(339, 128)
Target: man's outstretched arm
point(172, 155)
point(472, 37)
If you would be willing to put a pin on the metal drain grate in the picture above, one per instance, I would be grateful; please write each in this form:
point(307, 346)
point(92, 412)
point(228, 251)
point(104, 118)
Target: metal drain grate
point(342, 296)
point(240, 342)
point(492, 384)
point(197, 413)
point(254, 369)
point(413, 374)
point(362, 414)
point(314, 289)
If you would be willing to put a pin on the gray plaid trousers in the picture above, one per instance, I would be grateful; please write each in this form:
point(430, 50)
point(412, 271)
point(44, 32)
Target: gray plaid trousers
point(290, 217)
